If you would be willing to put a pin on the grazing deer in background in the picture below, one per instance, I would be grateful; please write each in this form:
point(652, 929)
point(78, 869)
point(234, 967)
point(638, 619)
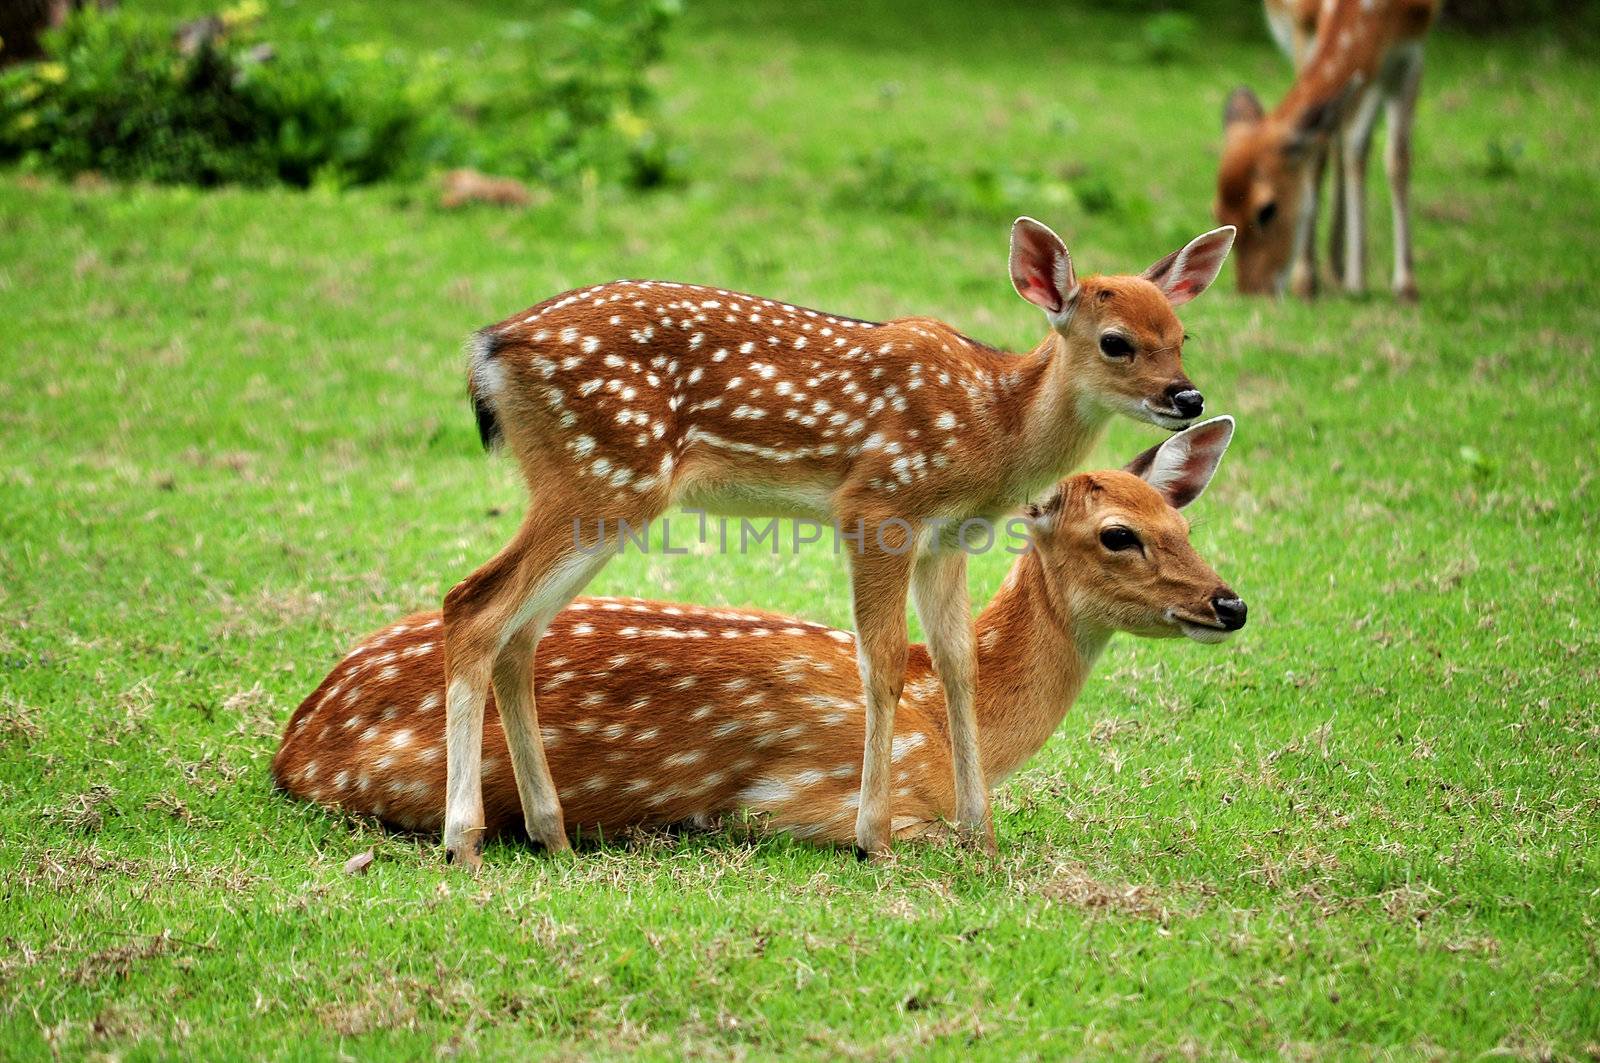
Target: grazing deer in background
point(655, 714)
point(626, 398)
point(1352, 57)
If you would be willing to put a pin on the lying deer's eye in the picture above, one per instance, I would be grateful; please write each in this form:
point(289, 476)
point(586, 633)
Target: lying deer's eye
point(1265, 215)
point(1119, 539)
point(1114, 346)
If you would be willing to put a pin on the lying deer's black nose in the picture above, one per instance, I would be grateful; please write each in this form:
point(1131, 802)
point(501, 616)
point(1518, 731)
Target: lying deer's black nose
point(1230, 612)
point(1188, 403)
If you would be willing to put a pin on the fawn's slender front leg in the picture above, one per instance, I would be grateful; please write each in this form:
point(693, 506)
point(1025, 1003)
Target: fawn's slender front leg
point(878, 582)
point(508, 602)
point(939, 590)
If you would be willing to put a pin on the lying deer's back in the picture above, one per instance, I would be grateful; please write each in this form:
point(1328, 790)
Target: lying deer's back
point(651, 714)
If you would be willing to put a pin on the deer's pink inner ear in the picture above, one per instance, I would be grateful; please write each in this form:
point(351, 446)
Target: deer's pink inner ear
point(1185, 288)
point(1040, 266)
point(1194, 268)
point(1037, 287)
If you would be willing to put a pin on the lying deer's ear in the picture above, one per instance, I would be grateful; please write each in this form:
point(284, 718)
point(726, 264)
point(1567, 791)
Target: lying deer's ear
point(1182, 466)
point(1044, 512)
point(1190, 270)
point(1041, 268)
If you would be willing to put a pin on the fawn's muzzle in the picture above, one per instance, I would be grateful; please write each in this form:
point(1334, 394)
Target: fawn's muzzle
point(1230, 612)
point(1187, 401)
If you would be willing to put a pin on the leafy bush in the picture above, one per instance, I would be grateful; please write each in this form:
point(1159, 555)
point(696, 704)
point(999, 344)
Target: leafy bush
point(906, 182)
point(582, 107)
point(1167, 36)
point(120, 95)
point(120, 98)
point(1502, 158)
point(909, 180)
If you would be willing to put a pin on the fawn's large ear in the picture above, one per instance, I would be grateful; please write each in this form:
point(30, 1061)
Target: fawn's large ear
point(1242, 106)
point(1190, 270)
point(1182, 466)
point(1041, 268)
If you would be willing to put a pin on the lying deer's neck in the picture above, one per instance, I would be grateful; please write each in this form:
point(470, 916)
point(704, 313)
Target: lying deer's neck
point(1034, 653)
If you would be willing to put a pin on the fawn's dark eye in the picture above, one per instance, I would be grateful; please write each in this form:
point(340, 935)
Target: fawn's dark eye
point(1113, 345)
point(1119, 539)
point(1265, 214)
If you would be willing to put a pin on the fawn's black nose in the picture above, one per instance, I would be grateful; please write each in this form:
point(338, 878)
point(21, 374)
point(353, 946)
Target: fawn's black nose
point(1230, 612)
point(1188, 402)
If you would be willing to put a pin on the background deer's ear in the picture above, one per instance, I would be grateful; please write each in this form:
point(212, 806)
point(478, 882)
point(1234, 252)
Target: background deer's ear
point(1242, 106)
point(1182, 466)
point(1190, 270)
point(1041, 268)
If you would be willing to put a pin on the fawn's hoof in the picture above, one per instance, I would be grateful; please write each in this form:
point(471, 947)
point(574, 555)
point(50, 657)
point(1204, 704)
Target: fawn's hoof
point(465, 856)
point(1407, 293)
point(873, 846)
point(548, 833)
point(555, 845)
point(872, 843)
point(463, 847)
point(872, 836)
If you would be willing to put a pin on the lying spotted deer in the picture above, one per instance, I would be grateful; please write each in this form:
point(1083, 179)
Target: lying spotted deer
point(621, 400)
point(1352, 57)
point(656, 714)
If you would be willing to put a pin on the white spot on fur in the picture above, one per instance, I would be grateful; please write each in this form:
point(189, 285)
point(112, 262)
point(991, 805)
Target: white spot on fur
point(767, 791)
point(907, 744)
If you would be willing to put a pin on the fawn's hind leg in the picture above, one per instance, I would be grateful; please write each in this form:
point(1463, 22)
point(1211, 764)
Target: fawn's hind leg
point(514, 696)
point(493, 620)
point(879, 579)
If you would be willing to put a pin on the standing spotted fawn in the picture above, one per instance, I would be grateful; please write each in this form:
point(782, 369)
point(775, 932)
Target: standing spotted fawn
point(656, 714)
point(1352, 57)
point(624, 399)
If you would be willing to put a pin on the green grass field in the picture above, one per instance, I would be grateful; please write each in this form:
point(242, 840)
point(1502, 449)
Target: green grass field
point(233, 438)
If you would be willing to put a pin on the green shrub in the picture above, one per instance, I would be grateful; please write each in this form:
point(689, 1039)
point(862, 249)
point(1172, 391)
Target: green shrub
point(902, 181)
point(910, 179)
point(1502, 158)
point(1167, 36)
point(582, 107)
point(120, 97)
